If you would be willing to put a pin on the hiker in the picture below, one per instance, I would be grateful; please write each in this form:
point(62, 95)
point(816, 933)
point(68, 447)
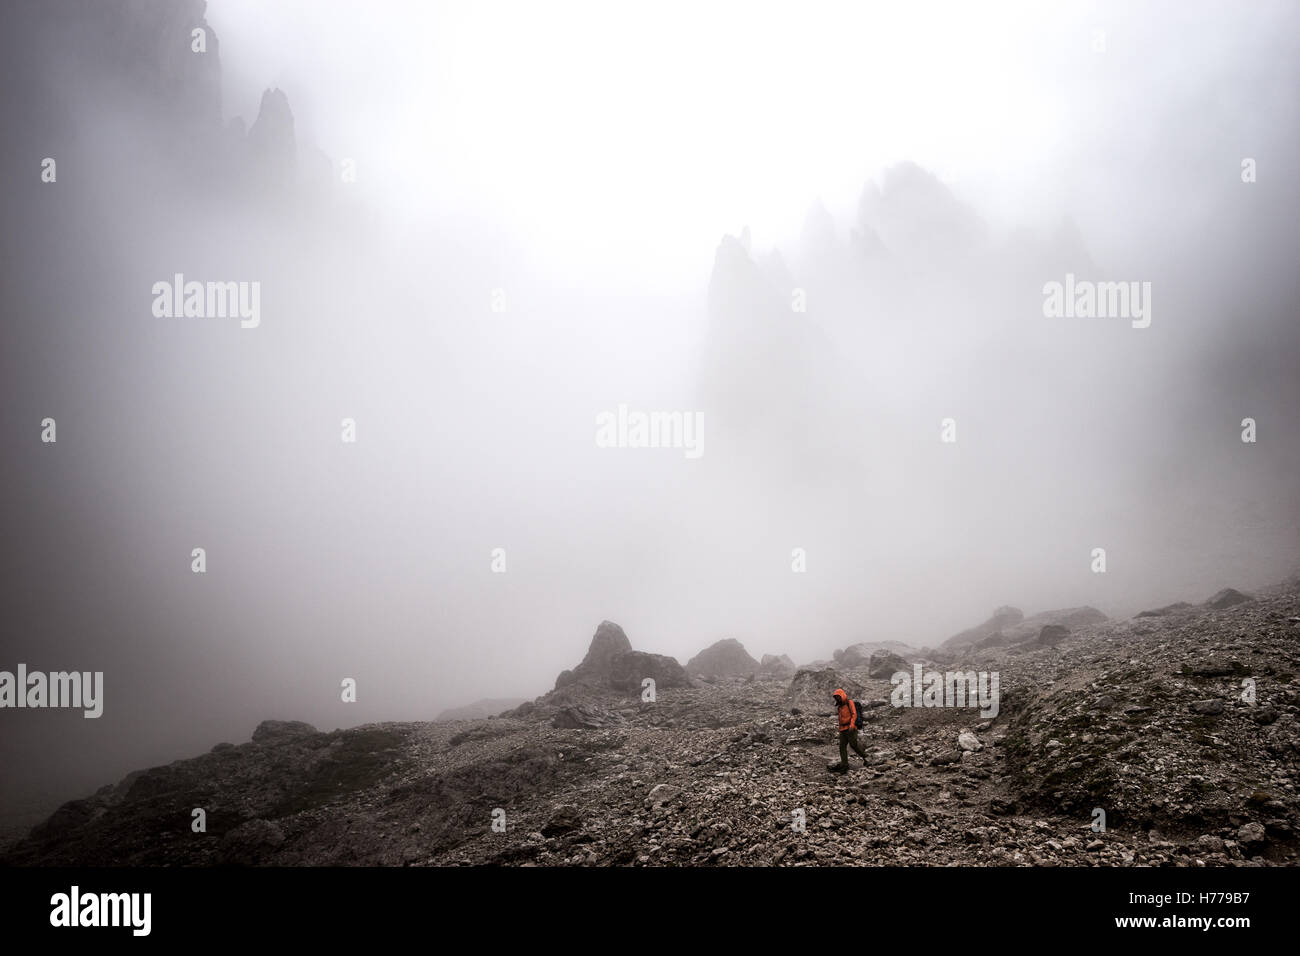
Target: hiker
point(848, 715)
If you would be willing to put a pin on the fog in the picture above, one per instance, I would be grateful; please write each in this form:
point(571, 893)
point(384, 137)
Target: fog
point(823, 228)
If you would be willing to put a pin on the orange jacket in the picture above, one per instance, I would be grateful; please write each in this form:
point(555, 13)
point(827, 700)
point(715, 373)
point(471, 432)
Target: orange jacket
point(848, 713)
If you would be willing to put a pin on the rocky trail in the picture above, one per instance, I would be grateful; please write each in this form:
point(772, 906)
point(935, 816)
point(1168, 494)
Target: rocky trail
point(1180, 726)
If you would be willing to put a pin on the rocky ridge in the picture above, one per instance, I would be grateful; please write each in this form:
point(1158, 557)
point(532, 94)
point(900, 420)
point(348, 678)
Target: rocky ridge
point(1183, 729)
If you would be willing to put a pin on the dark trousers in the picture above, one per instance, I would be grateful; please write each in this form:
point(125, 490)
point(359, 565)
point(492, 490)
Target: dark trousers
point(849, 738)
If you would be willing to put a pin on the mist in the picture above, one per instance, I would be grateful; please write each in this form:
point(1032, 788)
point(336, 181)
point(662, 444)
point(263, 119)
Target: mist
point(825, 234)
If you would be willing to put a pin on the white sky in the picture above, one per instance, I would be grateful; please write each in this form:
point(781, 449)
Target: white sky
point(608, 133)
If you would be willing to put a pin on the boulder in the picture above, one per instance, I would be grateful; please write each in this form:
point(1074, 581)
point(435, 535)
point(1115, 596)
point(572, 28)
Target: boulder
point(1001, 619)
point(1073, 616)
point(629, 669)
point(884, 664)
point(660, 794)
point(1209, 843)
point(1251, 835)
point(1214, 667)
point(1228, 597)
point(810, 691)
point(773, 665)
point(1052, 634)
point(1165, 611)
point(855, 655)
point(1027, 631)
point(726, 658)
point(565, 819)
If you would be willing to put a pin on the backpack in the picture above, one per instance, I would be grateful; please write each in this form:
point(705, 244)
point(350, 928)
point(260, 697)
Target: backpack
point(857, 718)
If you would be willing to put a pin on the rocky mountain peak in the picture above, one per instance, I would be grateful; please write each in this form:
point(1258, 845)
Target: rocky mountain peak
point(724, 658)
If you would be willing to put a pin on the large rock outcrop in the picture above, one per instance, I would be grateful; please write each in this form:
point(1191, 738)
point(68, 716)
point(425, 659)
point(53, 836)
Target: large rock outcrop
point(1002, 618)
point(1068, 619)
point(628, 670)
point(1008, 625)
point(774, 665)
point(859, 654)
point(1228, 597)
point(810, 691)
point(607, 643)
point(725, 658)
point(1053, 634)
point(885, 664)
point(612, 663)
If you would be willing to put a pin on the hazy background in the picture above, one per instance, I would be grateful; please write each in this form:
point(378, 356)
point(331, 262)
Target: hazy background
point(919, 170)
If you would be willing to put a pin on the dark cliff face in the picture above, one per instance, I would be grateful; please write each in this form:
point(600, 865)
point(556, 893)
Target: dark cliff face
point(165, 53)
point(121, 170)
point(84, 59)
point(131, 90)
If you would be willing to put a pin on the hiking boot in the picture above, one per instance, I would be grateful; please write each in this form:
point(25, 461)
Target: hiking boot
point(837, 768)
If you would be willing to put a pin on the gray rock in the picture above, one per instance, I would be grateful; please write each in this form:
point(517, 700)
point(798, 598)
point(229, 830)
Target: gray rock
point(1252, 834)
point(1209, 843)
point(607, 643)
point(565, 819)
point(269, 730)
point(725, 658)
point(250, 843)
point(1213, 667)
point(776, 666)
point(810, 691)
point(1052, 634)
point(1264, 715)
point(661, 794)
point(1228, 597)
point(629, 669)
point(884, 664)
point(1001, 619)
point(584, 717)
point(856, 655)
point(1166, 610)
